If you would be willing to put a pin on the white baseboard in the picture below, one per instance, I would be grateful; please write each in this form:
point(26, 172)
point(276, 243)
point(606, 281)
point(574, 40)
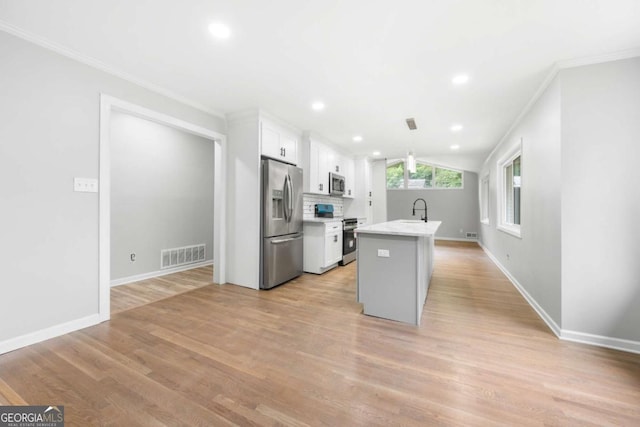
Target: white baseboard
point(601, 341)
point(456, 239)
point(564, 334)
point(48, 333)
point(159, 273)
point(532, 302)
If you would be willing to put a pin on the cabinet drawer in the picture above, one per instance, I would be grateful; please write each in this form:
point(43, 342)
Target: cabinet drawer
point(332, 227)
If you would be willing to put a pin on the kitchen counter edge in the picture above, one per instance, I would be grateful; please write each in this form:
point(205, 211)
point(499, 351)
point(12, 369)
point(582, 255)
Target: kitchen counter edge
point(401, 228)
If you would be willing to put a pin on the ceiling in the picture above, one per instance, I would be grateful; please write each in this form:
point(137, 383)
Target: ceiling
point(373, 63)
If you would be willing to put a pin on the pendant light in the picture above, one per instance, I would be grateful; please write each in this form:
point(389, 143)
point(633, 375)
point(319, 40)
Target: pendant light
point(411, 162)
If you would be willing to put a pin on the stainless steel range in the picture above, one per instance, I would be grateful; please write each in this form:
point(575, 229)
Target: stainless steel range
point(349, 244)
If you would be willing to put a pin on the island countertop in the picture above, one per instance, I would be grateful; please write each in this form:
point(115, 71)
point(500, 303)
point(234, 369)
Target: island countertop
point(402, 227)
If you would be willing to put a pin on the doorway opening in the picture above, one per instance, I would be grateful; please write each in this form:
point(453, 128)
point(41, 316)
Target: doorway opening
point(111, 109)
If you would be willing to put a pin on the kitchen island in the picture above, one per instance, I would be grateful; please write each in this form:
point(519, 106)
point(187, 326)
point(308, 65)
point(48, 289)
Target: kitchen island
point(395, 263)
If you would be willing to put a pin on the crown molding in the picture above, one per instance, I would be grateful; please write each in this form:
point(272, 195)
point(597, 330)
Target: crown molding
point(94, 63)
point(598, 59)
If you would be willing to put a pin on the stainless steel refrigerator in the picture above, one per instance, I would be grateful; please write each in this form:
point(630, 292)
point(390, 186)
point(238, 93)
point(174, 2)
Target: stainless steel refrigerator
point(281, 255)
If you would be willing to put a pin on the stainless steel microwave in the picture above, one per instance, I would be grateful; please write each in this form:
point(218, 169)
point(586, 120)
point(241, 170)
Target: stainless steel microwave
point(336, 184)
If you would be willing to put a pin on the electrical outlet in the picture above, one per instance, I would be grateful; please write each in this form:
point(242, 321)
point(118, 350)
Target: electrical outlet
point(133, 257)
point(384, 253)
point(85, 185)
point(461, 231)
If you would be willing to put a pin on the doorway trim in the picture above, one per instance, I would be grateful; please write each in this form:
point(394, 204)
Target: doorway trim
point(107, 105)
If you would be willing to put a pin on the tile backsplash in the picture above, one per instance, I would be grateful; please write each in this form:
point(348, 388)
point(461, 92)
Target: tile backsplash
point(310, 200)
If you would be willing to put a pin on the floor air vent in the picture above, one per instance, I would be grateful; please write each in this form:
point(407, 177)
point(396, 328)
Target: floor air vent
point(181, 256)
point(472, 235)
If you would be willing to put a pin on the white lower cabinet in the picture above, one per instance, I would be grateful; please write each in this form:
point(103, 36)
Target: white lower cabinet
point(332, 248)
point(322, 245)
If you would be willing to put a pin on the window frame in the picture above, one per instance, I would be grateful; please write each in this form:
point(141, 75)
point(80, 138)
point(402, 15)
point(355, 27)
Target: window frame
point(434, 166)
point(483, 194)
point(502, 164)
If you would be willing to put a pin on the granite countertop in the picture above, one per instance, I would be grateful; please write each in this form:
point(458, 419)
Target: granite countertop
point(402, 227)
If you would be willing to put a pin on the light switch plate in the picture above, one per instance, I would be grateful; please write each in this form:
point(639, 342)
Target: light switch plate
point(85, 185)
point(384, 253)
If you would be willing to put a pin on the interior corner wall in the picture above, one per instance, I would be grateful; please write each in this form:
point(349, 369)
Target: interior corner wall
point(601, 200)
point(535, 259)
point(456, 208)
point(50, 109)
point(161, 193)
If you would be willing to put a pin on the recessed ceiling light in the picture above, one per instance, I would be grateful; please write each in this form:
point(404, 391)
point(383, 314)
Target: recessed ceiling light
point(318, 106)
point(219, 30)
point(357, 138)
point(456, 128)
point(455, 147)
point(376, 153)
point(460, 79)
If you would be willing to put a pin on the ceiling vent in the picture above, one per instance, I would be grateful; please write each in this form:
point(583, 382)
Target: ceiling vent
point(411, 122)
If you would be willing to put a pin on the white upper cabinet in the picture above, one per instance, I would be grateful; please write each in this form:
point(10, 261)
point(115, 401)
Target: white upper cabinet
point(337, 163)
point(318, 159)
point(318, 176)
point(277, 142)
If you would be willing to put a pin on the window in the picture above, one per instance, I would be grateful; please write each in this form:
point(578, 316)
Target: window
point(425, 176)
point(447, 178)
point(395, 175)
point(510, 173)
point(484, 200)
point(422, 177)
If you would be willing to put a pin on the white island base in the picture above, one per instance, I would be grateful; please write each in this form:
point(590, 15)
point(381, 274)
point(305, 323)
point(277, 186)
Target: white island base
point(395, 263)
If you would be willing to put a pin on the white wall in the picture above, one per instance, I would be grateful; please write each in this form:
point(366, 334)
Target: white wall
point(534, 259)
point(456, 208)
point(601, 199)
point(50, 108)
point(243, 201)
point(161, 193)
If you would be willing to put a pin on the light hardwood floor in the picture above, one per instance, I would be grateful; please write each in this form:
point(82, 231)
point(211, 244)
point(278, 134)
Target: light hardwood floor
point(303, 354)
point(132, 295)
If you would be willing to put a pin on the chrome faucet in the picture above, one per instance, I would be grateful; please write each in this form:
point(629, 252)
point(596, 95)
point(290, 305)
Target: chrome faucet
point(413, 211)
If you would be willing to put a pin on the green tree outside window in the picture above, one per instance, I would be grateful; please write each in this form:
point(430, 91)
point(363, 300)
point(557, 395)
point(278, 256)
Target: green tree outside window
point(395, 175)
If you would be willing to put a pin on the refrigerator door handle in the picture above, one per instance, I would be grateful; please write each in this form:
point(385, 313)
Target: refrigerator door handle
point(287, 198)
point(275, 242)
point(290, 198)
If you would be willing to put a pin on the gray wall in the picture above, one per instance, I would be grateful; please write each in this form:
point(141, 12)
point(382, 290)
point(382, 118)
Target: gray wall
point(457, 209)
point(161, 193)
point(601, 199)
point(578, 256)
point(534, 259)
point(49, 106)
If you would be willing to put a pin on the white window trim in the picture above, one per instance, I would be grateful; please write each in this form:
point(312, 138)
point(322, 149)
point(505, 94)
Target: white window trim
point(511, 229)
point(483, 200)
